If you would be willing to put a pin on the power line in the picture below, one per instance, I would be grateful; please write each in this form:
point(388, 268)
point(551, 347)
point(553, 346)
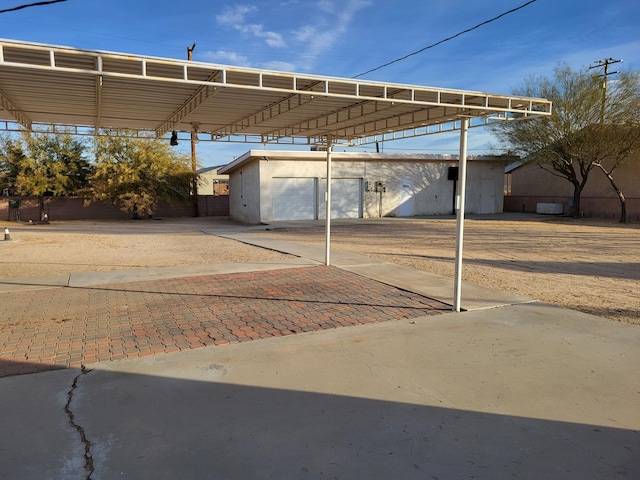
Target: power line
point(447, 39)
point(37, 4)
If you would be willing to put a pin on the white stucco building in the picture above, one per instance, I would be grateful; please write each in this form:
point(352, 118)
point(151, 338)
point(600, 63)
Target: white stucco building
point(267, 186)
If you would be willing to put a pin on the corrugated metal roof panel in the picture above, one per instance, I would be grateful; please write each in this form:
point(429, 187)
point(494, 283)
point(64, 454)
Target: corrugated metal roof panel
point(61, 86)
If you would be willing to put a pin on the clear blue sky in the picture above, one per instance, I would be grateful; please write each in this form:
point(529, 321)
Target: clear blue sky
point(344, 38)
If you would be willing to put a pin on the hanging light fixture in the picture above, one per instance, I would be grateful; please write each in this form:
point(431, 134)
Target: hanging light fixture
point(174, 139)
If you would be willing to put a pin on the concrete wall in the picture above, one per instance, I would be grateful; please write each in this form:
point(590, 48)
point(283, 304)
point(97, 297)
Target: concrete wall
point(412, 187)
point(591, 207)
point(72, 208)
point(244, 194)
point(213, 205)
point(530, 185)
point(533, 180)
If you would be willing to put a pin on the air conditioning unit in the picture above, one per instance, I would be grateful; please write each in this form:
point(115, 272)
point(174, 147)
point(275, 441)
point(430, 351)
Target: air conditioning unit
point(549, 208)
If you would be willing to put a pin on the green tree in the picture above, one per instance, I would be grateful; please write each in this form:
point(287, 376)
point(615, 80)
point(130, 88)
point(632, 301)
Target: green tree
point(11, 156)
point(41, 165)
point(54, 165)
point(136, 173)
point(586, 130)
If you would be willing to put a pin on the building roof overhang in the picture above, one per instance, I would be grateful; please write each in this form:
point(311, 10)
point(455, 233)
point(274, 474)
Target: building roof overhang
point(292, 155)
point(62, 89)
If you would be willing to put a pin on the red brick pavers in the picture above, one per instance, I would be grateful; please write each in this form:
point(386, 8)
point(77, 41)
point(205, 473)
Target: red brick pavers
point(75, 326)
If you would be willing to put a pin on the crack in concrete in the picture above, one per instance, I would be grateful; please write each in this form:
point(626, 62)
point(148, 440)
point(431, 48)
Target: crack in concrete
point(88, 457)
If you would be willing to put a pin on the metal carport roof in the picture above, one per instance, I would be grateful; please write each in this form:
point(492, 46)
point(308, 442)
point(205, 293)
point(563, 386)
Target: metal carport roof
point(61, 89)
point(86, 92)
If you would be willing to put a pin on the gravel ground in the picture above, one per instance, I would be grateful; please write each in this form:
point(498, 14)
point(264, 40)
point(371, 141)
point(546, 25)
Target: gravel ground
point(590, 266)
point(77, 246)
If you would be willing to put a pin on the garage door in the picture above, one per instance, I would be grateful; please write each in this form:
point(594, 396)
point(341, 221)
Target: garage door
point(346, 198)
point(294, 198)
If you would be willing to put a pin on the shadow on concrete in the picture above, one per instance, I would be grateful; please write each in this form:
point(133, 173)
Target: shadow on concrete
point(10, 368)
point(105, 424)
point(257, 297)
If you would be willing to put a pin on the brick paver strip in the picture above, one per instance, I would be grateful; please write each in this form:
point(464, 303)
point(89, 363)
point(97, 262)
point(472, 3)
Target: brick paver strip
point(69, 326)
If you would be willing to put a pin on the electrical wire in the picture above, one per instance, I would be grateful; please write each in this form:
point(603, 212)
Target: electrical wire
point(446, 39)
point(37, 4)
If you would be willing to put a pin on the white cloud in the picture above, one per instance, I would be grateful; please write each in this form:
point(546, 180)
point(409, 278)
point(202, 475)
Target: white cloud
point(272, 39)
point(227, 58)
point(306, 33)
point(321, 36)
point(331, 23)
point(279, 66)
point(326, 6)
point(236, 18)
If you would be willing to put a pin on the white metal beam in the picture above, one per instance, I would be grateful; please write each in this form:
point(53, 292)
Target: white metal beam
point(327, 254)
point(460, 203)
point(191, 105)
point(21, 117)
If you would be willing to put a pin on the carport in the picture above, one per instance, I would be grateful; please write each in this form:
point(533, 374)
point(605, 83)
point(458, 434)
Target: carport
point(45, 88)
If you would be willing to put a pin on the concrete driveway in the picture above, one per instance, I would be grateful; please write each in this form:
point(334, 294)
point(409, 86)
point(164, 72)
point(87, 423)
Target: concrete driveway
point(511, 388)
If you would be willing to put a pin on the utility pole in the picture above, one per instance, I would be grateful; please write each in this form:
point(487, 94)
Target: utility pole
point(194, 138)
point(600, 64)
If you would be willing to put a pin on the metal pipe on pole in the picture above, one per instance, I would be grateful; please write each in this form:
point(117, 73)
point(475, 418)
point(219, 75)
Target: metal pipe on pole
point(460, 201)
point(327, 254)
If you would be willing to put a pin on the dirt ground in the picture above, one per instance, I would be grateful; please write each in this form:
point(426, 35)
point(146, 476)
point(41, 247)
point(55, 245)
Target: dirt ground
point(586, 265)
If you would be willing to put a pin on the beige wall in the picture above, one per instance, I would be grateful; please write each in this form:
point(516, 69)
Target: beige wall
point(210, 183)
point(530, 185)
point(533, 180)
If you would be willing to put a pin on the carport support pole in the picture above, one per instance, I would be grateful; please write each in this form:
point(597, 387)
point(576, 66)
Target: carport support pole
point(460, 199)
point(327, 242)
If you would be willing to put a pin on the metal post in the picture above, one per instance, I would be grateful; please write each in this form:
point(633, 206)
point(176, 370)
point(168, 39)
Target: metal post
point(460, 200)
point(194, 171)
point(327, 254)
point(194, 160)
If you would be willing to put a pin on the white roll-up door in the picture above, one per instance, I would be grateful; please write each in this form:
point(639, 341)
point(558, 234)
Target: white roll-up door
point(294, 198)
point(346, 198)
